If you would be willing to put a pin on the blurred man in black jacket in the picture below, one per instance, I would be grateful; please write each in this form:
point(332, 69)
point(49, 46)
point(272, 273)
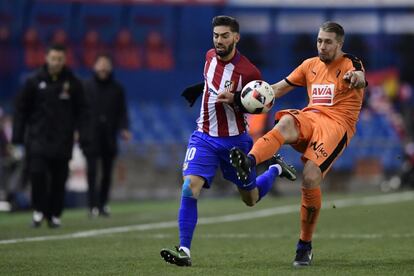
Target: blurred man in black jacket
point(49, 109)
point(109, 118)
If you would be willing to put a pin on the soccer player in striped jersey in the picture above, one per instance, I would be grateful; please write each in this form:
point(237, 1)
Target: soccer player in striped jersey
point(335, 83)
point(220, 127)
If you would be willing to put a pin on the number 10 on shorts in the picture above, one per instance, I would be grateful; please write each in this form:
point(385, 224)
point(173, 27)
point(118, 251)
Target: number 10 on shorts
point(189, 155)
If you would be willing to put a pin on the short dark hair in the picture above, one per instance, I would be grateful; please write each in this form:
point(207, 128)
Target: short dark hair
point(57, 47)
point(225, 20)
point(333, 27)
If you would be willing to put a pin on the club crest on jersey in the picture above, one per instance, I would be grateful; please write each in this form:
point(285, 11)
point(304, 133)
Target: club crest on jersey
point(228, 84)
point(322, 94)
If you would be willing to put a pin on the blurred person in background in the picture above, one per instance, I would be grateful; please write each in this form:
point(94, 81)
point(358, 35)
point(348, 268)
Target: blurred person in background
point(50, 107)
point(61, 37)
point(3, 151)
point(220, 127)
point(109, 117)
point(335, 84)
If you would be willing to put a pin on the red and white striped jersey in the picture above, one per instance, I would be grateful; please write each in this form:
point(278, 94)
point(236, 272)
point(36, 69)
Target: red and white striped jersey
point(218, 119)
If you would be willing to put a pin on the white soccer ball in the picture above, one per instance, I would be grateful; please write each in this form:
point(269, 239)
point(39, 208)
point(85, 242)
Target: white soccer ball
point(257, 97)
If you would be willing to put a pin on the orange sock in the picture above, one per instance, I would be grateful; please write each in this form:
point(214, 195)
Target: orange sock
point(267, 146)
point(309, 213)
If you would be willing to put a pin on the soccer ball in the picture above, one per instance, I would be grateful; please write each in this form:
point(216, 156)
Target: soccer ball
point(257, 97)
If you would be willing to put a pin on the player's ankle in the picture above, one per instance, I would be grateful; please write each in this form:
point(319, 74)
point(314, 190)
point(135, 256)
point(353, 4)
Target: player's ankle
point(304, 245)
point(252, 160)
point(186, 250)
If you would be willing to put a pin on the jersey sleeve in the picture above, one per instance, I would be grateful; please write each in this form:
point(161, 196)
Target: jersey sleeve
point(256, 74)
point(356, 63)
point(252, 74)
point(298, 76)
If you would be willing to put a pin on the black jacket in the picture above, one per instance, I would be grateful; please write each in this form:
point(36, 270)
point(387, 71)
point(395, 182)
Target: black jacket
point(48, 111)
point(109, 114)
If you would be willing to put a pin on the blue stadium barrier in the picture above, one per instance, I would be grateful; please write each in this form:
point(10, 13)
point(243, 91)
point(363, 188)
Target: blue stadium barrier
point(12, 15)
point(48, 17)
point(143, 19)
point(105, 19)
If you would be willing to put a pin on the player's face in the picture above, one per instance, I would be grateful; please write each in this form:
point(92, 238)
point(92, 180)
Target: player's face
point(224, 41)
point(328, 46)
point(55, 61)
point(103, 67)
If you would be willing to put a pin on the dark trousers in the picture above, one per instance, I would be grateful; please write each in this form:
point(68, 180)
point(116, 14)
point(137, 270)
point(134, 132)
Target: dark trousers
point(99, 197)
point(48, 178)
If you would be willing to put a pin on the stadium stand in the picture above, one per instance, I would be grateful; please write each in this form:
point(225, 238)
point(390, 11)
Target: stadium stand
point(157, 53)
point(92, 46)
point(105, 19)
point(11, 16)
point(46, 18)
point(34, 49)
point(127, 53)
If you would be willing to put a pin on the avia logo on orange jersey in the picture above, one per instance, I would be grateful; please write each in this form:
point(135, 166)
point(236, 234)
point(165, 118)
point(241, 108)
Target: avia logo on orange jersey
point(322, 94)
point(324, 90)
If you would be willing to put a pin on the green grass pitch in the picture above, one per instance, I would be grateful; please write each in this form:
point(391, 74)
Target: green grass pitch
point(351, 239)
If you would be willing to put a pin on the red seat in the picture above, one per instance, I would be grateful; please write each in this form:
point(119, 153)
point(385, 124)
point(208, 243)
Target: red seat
point(34, 49)
point(92, 46)
point(159, 55)
point(128, 54)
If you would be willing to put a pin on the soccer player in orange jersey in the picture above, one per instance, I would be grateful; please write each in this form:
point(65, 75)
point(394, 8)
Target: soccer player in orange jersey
point(335, 83)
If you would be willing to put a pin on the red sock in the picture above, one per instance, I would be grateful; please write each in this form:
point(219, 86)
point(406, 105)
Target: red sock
point(309, 213)
point(267, 146)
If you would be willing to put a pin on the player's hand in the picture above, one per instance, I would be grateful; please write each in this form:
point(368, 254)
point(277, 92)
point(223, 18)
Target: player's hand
point(76, 136)
point(356, 79)
point(126, 135)
point(226, 96)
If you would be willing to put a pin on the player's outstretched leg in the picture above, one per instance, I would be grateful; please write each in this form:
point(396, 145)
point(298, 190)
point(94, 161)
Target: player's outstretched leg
point(288, 171)
point(304, 254)
point(175, 256)
point(277, 167)
point(244, 165)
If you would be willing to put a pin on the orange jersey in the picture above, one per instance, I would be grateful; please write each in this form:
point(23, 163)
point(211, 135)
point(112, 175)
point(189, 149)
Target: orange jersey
point(327, 91)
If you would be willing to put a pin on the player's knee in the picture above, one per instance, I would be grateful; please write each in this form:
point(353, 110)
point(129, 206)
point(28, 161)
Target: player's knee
point(249, 202)
point(312, 178)
point(287, 127)
point(312, 175)
point(191, 187)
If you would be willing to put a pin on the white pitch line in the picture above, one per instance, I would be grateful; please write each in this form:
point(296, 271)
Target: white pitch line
point(280, 210)
point(362, 236)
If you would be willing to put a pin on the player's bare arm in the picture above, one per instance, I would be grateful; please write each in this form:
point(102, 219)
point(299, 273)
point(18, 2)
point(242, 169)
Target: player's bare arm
point(281, 88)
point(356, 79)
